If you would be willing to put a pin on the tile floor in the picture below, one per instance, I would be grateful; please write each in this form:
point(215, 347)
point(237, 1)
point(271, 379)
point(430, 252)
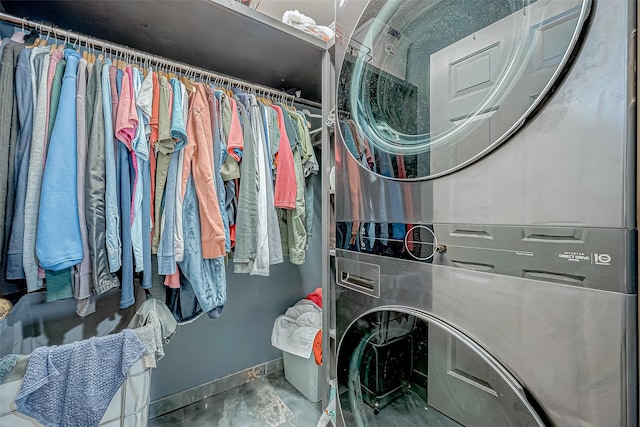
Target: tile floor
point(407, 410)
point(269, 401)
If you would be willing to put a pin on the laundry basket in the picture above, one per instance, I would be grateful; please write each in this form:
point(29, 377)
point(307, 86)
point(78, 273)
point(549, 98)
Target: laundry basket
point(129, 407)
point(303, 374)
point(296, 333)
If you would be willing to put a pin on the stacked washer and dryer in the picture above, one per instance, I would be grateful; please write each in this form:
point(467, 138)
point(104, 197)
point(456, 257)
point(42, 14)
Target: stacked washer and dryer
point(486, 262)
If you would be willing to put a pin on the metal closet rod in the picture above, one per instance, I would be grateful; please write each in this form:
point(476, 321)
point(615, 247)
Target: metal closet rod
point(108, 47)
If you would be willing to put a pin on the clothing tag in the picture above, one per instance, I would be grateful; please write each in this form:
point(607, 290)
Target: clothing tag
point(149, 361)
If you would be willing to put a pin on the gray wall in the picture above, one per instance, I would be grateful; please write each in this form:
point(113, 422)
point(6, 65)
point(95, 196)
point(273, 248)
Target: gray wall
point(208, 349)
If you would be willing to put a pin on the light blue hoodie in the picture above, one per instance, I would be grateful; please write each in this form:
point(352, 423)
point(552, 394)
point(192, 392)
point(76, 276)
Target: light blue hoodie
point(58, 241)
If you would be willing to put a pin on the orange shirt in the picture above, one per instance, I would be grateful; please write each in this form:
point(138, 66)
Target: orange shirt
point(198, 155)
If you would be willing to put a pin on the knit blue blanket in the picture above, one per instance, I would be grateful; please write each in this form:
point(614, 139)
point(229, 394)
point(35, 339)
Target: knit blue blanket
point(72, 385)
point(7, 363)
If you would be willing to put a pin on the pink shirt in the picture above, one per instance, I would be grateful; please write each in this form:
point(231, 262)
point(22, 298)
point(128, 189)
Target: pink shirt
point(126, 124)
point(56, 56)
point(284, 194)
point(235, 141)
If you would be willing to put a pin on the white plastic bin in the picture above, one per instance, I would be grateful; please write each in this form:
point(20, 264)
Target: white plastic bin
point(303, 374)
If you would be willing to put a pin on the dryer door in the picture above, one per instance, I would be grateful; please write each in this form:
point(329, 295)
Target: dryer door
point(402, 367)
point(428, 87)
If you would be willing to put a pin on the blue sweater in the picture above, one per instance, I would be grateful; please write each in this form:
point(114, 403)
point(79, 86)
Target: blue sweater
point(58, 242)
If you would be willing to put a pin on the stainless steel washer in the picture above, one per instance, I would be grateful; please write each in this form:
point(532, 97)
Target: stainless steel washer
point(486, 219)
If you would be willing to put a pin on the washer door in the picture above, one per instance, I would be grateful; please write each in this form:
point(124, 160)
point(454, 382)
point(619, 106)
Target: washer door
point(400, 367)
point(427, 87)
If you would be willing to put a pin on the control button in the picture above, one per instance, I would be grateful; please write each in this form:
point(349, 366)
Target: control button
point(420, 242)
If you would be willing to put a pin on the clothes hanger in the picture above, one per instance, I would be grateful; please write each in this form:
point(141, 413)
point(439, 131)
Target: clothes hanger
point(85, 52)
point(310, 114)
point(64, 44)
point(91, 57)
point(133, 61)
point(266, 97)
point(188, 84)
point(37, 42)
point(21, 35)
point(93, 52)
point(163, 71)
point(53, 45)
point(123, 62)
point(144, 64)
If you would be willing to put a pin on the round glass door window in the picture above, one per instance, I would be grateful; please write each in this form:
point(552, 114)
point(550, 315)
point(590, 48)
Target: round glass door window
point(406, 368)
point(427, 87)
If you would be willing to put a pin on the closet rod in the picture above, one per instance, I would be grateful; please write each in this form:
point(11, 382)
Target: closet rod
point(105, 46)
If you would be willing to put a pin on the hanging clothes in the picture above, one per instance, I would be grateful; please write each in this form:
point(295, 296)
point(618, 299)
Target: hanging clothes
point(25, 103)
point(104, 166)
point(164, 148)
point(34, 175)
point(234, 137)
point(126, 131)
point(198, 161)
point(81, 272)
point(247, 218)
point(178, 230)
point(58, 242)
point(219, 154)
point(112, 216)
point(309, 166)
point(96, 208)
point(8, 139)
point(295, 221)
point(144, 100)
point(273, 136)
point(123, 169)
point(266, 183)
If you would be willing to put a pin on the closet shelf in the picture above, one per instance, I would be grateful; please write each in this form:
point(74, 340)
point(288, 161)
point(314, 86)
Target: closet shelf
point(223, 36)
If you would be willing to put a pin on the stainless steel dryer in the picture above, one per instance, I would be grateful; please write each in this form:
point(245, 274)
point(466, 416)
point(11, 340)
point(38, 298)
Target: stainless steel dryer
point(486, 234)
